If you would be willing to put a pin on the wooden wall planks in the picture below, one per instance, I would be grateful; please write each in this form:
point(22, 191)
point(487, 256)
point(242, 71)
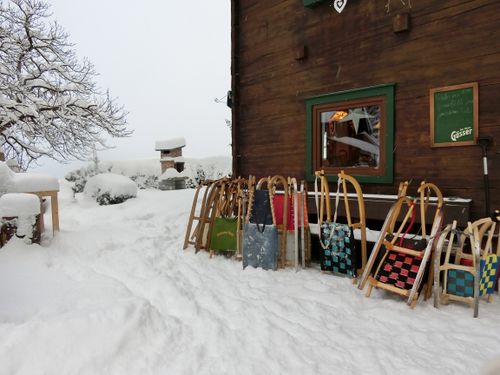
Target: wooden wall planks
point(449, 42)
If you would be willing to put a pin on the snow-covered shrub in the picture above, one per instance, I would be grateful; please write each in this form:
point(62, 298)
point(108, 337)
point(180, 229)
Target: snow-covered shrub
point(143, 172)
point(145, 181)
point(80, 176)
point(110, 188)
point(199, 170)
point(146, 172)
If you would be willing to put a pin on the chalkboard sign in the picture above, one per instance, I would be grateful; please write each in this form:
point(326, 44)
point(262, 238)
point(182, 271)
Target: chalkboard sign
point(454, 115)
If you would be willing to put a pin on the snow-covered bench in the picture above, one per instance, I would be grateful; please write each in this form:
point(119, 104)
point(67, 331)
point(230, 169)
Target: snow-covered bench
point(20, 215)
point(377, 206)
point(33, 183)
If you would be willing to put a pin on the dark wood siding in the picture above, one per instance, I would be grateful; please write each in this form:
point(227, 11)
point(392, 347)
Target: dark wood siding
point(449, 42)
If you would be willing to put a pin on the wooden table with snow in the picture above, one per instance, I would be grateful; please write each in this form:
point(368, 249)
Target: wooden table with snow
point(38, 184)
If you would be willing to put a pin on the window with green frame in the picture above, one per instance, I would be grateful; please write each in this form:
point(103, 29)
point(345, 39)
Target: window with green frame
point(312, 3)
point(352, 131)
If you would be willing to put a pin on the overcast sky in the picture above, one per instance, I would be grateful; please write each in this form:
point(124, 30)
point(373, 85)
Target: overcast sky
point(165, 61)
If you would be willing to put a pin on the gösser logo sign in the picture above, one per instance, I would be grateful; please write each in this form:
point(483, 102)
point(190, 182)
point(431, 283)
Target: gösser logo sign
point(454, 115)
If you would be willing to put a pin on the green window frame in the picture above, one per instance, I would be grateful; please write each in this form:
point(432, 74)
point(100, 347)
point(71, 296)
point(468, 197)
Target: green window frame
point(312, 3)
point(379, 97)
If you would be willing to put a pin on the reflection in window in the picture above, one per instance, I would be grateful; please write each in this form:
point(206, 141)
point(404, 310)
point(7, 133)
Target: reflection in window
point(350, 136)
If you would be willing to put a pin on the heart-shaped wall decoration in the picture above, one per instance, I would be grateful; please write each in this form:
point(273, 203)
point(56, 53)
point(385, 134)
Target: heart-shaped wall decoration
point(339, 5)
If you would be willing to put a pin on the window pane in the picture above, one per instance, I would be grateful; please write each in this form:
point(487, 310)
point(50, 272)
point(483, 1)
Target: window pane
point(350, 137)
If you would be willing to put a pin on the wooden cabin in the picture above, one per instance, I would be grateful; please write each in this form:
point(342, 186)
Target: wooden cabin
point(386, 90)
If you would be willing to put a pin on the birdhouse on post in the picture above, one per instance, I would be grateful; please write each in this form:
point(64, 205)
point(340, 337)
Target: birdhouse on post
point(171, 154)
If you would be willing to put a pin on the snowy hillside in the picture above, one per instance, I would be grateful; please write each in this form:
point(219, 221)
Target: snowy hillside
point(114, 293)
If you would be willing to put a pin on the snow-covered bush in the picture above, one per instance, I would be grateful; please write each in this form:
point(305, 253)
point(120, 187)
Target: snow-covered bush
point(143, 172)
point(199, 170)
point(146, 172)
point(80, 176)
point(110, 188)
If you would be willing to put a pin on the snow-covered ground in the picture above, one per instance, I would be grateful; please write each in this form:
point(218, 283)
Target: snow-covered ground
point(114, 293)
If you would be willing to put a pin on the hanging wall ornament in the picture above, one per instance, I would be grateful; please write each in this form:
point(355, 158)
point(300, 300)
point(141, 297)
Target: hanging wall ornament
point(339, 5)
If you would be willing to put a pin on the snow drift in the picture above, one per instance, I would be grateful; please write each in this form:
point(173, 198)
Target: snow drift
point(114, 293)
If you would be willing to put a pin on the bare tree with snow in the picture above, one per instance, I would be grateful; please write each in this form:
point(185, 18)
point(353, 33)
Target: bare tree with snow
point(49, 102)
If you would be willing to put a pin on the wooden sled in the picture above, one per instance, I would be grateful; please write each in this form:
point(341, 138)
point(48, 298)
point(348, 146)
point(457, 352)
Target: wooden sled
point(305, 231)
point(290, 214)
point(470, 267)
point(229, 210)
point(260, 238)
point(280, 216)
point(338, 248)
point(347, 182)
point(387, 227)
point(200, 235)
point(197, 211)
point(400, 260)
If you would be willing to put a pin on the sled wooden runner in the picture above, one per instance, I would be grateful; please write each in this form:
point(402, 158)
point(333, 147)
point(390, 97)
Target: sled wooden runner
point(361, 216)
point(305, 233)
point(192, 234)
point(425, 191)
point(292, 183)
point(275, 184)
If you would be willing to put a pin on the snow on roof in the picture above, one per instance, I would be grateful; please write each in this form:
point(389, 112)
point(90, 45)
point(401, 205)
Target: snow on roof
point(19, 204)
point(170, 144)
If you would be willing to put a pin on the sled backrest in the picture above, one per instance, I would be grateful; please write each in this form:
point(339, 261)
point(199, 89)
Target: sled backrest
point(259, 203)
point(426, 190)
point(349, 183)
point(322, 197)
point(280, 204)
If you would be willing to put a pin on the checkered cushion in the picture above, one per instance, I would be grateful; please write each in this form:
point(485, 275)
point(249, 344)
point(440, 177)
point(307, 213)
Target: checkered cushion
point(460, 283)
point(399, 270)
point(489, 274)
point(339, 254)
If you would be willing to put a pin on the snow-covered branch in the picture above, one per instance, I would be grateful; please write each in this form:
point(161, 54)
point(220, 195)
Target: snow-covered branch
point(49, 102)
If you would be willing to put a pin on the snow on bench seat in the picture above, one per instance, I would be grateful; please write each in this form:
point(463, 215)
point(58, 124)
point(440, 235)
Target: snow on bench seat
point(19, 204)
point(39, 184)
